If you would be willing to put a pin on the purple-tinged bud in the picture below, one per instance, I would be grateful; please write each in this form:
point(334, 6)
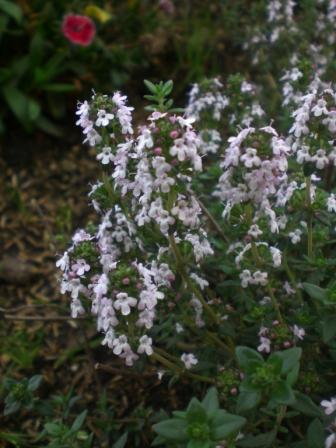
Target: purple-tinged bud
point(157, 151)
point(125, 281)
point(234, 391)
point(174, 134)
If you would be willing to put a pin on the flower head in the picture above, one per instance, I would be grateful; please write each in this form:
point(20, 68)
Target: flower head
point(78, 29)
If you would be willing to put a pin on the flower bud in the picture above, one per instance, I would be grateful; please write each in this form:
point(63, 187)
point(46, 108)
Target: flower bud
point(174, 134)
point(157, 151)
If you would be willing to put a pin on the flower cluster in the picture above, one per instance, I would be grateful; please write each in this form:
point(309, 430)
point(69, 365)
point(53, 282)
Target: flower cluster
point(255, 171)
point(314, 127)
point(279, 336)
point(107, 269)
point(214, 105)
point(103, 119)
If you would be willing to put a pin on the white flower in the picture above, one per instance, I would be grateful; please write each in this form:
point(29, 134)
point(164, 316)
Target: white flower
point(276, 256)
point(63, 263)
point(76, 308)
point(265, 345)
point(124, 303)
point(250, 158)
point(189, 360)
point(330, 441)
point(129, 356)
point(202, 283)
point(303, 155)
point(109, 338)
point(101, 286)
point(254, 231)
point(83, 108)
point(298, 332)
point(186, 122)
point(330, 406)
point(320, 108)
point(145, 345)
point(105, 156)
point(289, 290)
point(179, 328)
point(260, 278)
point(120, 345)
point(331, 203)
point(295, 236)
point(103, 118)
point(246, 278)
point(80, 267)
point(201, 247)
point(320, 158)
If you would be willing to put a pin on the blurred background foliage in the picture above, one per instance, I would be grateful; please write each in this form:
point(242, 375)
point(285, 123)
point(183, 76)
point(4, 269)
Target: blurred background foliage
point(43, 74)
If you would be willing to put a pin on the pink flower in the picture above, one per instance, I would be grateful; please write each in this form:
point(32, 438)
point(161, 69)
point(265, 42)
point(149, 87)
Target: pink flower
point(78, 29)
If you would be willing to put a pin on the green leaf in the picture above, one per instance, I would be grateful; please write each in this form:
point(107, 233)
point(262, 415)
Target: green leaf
point(230, 424)
point(17, 439)
point(248, 357)
point(198, 444)
point(290, 358)
point(283, 394)
point(306, 406)
point(12, 407)
point(54, 429)
point(150, 86)
point(158, 441)
point(179, 414)
point(168, 87)
point(77, 424)
point(34, 382)
point(248, 400)
point(11, 9)
point(169, 103)
point(315, 435)
point(37, 46)
point(315, 292)
point(121, 442)
point(210, 402)
point(195, 411)
point(219, 418)
point(18, 103)
point(293, 375)
point(33, 110)
point(150, 97)
point(173, 429)
point(262, 440)
point(329, 328)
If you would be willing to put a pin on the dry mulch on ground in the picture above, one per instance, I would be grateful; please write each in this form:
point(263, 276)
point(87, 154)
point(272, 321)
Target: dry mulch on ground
point(42, 204)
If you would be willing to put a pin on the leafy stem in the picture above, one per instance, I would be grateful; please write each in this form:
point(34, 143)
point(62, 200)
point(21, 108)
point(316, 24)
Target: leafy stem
point(310, 218)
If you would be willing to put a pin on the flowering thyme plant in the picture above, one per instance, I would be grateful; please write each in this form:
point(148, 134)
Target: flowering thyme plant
point(212, 258)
